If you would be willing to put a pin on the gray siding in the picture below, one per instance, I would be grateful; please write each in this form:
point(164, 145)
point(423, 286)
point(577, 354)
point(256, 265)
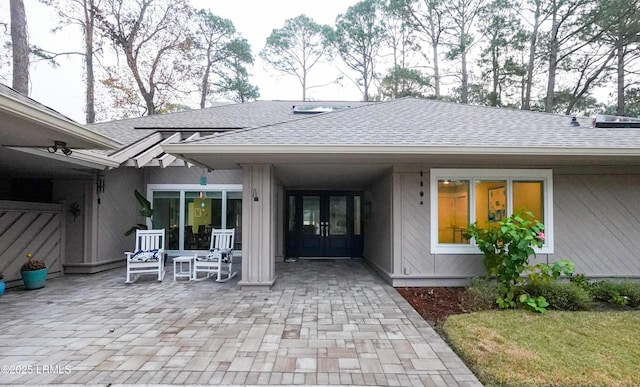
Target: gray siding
point(184, 175)
point(377, 228)
point(414, 263)
point(74, 192)
point(116, 213)
point(597, 223)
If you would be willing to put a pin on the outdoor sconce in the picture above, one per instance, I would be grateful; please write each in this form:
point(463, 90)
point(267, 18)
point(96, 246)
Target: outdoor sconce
point(100, 184)
point(60, 145)
point(255, 195)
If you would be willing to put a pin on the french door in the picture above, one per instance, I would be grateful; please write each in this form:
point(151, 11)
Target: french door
point(324, 224)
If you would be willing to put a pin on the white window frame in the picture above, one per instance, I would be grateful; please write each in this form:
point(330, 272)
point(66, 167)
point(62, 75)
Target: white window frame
point(182, 189)
point(474, 175)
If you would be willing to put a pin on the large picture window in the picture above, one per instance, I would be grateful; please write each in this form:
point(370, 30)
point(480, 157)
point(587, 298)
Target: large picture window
point(460, 197)
point(188, 213)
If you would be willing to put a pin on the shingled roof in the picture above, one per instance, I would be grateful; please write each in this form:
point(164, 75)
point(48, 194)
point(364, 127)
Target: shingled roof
point(431, 123)
point(222, 117)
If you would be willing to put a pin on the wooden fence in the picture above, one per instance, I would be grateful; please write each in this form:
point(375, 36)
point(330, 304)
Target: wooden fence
point(37, 228)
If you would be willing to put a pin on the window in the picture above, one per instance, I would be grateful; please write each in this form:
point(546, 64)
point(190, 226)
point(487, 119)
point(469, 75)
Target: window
point(188, 213)
point(460, 197)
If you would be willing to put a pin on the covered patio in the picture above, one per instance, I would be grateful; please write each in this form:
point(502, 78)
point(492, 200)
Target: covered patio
point(324, 322)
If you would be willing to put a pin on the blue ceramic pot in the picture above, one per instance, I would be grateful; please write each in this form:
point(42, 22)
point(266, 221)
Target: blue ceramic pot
point(1, 287)
point(34, 279)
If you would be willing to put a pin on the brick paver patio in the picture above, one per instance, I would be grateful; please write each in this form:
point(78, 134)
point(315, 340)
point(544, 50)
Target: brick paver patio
point(322, 323)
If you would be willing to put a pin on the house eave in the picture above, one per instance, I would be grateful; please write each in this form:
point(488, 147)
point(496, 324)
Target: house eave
point(185, 149)
point(31, 113)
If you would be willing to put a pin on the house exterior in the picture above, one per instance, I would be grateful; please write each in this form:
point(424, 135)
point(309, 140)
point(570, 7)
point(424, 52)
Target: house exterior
point(37, 187)
point(393, 183)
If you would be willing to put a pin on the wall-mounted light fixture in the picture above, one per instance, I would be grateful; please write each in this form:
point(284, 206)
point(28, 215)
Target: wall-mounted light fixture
point(255, 195)
point(100, 184)
point(60, 145)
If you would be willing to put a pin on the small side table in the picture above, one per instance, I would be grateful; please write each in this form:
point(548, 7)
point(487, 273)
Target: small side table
point(179, 267)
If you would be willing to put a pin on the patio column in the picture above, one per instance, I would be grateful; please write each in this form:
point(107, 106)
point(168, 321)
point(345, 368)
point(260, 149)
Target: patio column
point(258, 226)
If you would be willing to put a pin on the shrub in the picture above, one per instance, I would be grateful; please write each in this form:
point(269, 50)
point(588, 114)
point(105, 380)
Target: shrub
point(617, 292)
point(561, 295)
point(581, 281)
point(507, 246)
point(480, 295)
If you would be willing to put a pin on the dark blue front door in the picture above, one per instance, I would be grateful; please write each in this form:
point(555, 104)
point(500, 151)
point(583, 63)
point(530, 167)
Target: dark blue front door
point(324, 224)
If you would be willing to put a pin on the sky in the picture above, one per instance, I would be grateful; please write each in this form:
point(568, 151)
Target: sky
point(62, 88)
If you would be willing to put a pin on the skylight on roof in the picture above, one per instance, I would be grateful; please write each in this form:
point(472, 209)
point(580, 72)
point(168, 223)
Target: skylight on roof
point(607, 121)
point(314, 109)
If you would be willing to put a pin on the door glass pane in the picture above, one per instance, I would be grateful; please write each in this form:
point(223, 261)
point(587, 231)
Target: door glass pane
point(357, 219)
point(166, 214)
point(203, 211)
point(528, 196)
point(311, 215)
point(491, 202)
point(453, 211)
point(292, 213)
point(234, 216)
point(338, 215)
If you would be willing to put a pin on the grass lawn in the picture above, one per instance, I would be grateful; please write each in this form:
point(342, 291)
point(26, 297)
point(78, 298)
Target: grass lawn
point(519, 348)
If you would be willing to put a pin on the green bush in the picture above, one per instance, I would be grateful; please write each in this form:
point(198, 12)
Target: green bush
point(480, 295)
point(561, 295)
point(617, 292)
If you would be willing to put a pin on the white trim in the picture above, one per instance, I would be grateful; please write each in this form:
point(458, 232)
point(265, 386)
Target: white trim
point(54, 122)
point(147, 156)
point(78, 157)
point(181, 189)
point(135, 148)
point(199, 148)
point(508, 175)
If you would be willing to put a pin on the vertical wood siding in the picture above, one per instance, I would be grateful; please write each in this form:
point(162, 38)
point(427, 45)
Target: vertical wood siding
point(36, 228)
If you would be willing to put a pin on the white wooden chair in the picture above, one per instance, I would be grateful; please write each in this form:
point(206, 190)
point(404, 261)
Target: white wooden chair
point(219, 260)
point(148, 256)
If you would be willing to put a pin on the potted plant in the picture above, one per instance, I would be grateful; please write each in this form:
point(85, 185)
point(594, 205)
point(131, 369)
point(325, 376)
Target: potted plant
point(34, 273)
point(1, 284)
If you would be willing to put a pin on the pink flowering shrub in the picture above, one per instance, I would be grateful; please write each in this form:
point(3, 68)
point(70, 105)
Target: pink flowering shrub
point(507, 246)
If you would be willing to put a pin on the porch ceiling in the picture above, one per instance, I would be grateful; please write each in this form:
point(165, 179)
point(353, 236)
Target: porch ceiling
point(329, 176)
point(20, 164)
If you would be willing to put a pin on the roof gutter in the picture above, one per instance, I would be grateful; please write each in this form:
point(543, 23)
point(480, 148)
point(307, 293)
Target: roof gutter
point(38, 115)
point(187, 149)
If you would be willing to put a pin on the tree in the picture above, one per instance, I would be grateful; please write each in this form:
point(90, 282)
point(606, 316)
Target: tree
point(296, 48)
point(80, 13)
point(20, 46)
point(357, 38)
point(212, 37)
point(619, 24)
point(462, 15)
point(539, 14)
point(427, 16)
point(505, 39)
point(234, 77)
point(589, 70)
point(567, 25)
point(151, 36)
point(403, 82)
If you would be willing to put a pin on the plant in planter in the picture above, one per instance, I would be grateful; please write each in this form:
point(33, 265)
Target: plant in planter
point(34, 273)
